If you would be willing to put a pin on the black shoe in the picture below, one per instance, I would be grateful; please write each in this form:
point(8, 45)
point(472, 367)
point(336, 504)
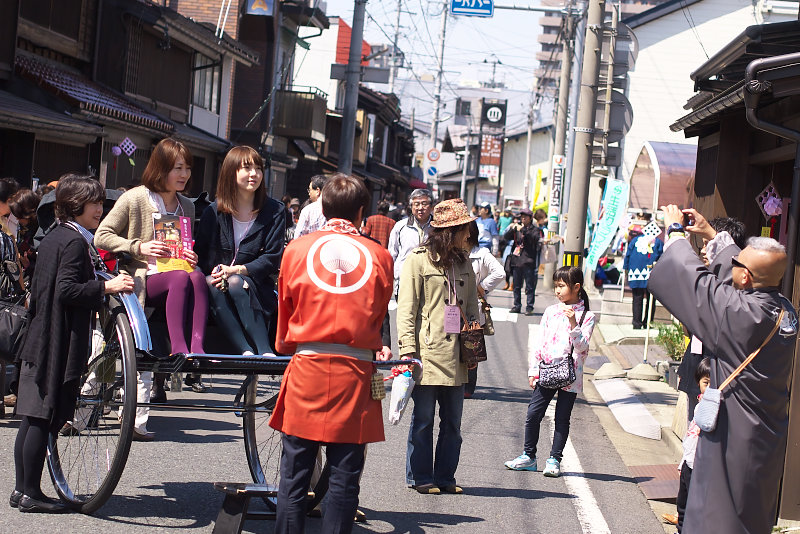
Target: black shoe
point(528, 312)
point(69, 430)
point(635, 327)
point(143, 436)
point(198, 387)
point(45, 506)
point(515, 309)
point(13, 501)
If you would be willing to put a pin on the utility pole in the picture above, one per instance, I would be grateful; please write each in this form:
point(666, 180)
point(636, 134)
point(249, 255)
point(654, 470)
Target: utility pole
point(560, 142)
point(393, 69)
point(463, 194)
point(352, 78)
point(584, 135)
point(437, 95)
point(529, 141)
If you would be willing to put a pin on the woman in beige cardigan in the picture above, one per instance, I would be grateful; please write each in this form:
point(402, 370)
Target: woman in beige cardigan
point(129, 228)
point(436, 275)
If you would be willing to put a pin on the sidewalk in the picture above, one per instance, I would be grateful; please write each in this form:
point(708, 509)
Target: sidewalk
point(653, 462)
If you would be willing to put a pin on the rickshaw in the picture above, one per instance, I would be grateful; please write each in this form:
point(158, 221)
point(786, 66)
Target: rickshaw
point(87, 460)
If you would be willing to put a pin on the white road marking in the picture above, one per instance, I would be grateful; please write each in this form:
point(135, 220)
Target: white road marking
point(589, 515)
point(503, 315)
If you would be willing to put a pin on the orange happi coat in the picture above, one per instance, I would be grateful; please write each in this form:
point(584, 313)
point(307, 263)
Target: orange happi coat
point(334, 287)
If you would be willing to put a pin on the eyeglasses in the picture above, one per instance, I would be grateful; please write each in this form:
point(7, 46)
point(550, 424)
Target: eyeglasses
point(420, 204)
point(736, 263)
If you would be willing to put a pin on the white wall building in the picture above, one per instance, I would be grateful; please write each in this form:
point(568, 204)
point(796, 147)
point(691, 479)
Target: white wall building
point(513, 171)
point(673, 38)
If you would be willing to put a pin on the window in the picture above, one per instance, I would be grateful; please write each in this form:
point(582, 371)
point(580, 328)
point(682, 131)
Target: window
point(60, 16)
point(207, 83)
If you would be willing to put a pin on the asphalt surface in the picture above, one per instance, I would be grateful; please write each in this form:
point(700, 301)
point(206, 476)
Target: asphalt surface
point(167, 484)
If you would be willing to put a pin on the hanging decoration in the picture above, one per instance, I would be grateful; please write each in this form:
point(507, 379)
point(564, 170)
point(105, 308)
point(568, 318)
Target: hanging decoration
point(129, 148)
point(116, 151)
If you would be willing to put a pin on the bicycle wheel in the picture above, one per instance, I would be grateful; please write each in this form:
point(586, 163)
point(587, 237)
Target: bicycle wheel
point(86, 460)
point(263, 444)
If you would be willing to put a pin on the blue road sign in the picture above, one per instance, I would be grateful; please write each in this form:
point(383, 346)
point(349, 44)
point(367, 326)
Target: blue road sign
point(433, 171)
point(473, 8)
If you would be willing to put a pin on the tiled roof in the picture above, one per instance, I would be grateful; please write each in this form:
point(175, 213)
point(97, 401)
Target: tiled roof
point(90, 97)
point(20, 114)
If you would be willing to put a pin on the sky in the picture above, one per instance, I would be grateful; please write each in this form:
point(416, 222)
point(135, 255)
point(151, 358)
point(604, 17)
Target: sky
point(508, 37)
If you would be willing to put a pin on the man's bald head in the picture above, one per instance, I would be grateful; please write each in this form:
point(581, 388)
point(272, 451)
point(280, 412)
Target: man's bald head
point(764, 261)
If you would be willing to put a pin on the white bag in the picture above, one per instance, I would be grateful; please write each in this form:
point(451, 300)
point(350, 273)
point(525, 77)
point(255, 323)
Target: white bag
point(402, 386)
point(548, 254)
point(705, 415)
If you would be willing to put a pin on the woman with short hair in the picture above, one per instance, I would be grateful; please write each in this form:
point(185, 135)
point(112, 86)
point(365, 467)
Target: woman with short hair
point(239, 244)
point(435, 276)
point(54, 353)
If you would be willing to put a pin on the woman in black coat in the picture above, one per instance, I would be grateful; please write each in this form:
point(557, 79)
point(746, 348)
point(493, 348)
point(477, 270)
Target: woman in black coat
point(239, 244)
point(64, 298)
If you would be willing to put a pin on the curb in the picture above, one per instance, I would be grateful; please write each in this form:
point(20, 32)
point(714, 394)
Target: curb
point(673, 441)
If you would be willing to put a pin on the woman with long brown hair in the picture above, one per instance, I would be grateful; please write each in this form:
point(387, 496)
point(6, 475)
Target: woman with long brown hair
point(436, 279)
point(240, 243)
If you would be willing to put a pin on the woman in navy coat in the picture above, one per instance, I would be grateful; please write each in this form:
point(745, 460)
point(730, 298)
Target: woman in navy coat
point(64, 297)
point(240, 242)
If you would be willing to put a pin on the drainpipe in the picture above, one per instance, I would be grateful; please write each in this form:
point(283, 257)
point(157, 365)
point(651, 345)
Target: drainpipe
point(753, 88)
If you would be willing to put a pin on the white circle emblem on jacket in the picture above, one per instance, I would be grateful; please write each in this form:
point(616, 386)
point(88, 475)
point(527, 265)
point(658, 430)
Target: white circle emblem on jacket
point(339, 255)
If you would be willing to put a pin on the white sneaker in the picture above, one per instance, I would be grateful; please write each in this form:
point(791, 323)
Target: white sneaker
point(523, 462)
point(248, 353)
point(552, 468)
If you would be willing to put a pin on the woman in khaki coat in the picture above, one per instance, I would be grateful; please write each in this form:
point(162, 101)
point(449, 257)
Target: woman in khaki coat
point(436, 275)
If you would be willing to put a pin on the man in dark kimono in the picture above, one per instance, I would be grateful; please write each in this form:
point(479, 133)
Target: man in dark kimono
point(738, 466)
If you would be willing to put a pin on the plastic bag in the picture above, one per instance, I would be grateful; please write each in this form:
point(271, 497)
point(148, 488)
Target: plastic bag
point(402, 386)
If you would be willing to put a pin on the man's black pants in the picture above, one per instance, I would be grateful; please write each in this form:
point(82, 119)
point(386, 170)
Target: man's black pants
point(641, 299)
point(346, 461)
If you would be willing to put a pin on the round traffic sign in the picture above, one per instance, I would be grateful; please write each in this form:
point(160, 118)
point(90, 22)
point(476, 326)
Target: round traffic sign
point(434, 155)
point(433, 171)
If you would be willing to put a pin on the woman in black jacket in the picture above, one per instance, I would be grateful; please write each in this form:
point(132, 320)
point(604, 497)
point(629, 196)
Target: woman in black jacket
point(64, 297)
point(240, 242)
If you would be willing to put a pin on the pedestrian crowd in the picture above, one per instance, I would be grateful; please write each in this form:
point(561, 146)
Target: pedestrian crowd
point(279, 277)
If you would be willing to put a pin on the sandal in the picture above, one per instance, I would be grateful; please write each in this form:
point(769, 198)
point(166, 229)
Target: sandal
point(453, 489)
point(428, 489)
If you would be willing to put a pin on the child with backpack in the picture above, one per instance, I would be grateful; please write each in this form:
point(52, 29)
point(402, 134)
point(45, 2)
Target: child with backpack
point(564, 335)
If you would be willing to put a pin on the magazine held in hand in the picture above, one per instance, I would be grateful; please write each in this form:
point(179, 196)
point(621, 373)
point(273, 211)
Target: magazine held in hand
point(176, 233)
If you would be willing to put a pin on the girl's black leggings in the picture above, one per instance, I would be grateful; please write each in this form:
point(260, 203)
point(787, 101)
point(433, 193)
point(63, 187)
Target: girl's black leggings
point(540, 398)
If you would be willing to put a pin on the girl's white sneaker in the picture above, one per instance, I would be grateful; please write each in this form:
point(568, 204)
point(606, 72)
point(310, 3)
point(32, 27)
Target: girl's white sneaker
point(552, 468)
point(523, 462)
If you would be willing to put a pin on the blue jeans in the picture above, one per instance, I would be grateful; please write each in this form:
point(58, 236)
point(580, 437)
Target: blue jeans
point(529, 274)
point(540, 398)
point(421, 467)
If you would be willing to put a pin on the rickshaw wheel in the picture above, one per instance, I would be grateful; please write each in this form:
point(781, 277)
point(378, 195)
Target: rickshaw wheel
point(263, 444)
point(86, 461)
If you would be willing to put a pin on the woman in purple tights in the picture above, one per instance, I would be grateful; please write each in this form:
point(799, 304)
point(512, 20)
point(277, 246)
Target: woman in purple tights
point(129, 228)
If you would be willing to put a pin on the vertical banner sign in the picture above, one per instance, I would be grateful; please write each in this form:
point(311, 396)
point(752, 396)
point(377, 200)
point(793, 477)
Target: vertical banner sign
point(555, 189)
point(614, 201)
point(491, 152)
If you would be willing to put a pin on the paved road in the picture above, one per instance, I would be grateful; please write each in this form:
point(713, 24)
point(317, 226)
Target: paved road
point(167, 486)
